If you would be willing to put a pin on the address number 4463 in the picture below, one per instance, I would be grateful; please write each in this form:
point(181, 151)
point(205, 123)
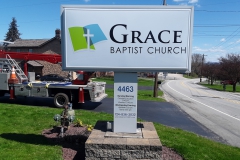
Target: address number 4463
point(125, 88)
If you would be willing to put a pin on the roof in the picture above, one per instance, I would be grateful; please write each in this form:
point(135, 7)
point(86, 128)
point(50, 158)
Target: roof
point(29, 42)
point(35, 64)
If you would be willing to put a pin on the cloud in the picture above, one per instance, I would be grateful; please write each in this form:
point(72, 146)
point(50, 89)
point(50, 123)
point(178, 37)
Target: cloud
point(183, 4)
point(212, 53)
point(178, 0)
point(187, 2)
point(212, 50)
point(222, 40)
point(238, 41)
point(198, 5)
point(193, 1)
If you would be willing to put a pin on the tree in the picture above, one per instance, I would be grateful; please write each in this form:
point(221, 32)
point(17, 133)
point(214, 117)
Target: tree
point(196, 64)
point(210, 70)
point(13, 32)
point(230, 68)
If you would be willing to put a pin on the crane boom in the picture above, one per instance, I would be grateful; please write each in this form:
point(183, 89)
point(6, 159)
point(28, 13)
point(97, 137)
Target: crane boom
point(52, 58)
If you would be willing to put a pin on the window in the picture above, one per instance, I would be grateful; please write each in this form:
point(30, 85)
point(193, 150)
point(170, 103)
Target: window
point(30, 50)
point(18, 50)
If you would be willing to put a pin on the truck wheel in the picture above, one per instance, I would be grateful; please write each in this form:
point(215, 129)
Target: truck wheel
point(2, 93)
point(60, 100)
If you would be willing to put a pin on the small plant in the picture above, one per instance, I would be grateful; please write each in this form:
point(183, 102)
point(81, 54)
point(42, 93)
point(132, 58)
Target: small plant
point(89, 127)
point(79, 123)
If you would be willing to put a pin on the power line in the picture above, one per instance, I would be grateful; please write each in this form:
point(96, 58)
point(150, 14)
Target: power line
point(198, 25)
point(231, 2)
point(36, 21)
point(234, 34)
point(37, 4)
point(236, 44)
point(227, 25)
point(220, 11)
point(212, 35)
point(222, 24)
point(201, 32)
point(231, 36)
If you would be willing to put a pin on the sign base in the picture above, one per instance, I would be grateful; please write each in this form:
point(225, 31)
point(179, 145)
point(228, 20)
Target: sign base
point(125, 102)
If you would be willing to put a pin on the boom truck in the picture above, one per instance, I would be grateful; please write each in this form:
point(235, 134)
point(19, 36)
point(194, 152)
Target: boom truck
point(13, 80)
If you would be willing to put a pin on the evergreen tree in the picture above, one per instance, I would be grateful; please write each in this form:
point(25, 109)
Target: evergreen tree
point(13, 32)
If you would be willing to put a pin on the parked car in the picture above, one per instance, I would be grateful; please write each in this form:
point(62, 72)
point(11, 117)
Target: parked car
point(151, 76)
point(226, 82)
point(53, 77)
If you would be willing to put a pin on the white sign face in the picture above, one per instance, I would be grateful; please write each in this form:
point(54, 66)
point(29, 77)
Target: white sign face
point(125, 107)
point(127, 38)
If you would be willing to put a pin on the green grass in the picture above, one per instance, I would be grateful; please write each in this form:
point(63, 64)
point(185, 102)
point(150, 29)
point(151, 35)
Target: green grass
point(21, 139)
point(141, 82)
point(142, 95)
point(20, 133)
point(108, 80)
point(219, 87)
point(146, 82)
point(194, 147)
point(189, 76)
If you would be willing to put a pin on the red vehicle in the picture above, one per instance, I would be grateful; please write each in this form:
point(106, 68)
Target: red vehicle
point(226, 82)
point(151, 76)
point(75, 91)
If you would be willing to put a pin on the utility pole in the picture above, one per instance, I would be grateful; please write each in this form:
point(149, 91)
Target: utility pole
point(202, 67)
point(164, 2)
point(155, 90)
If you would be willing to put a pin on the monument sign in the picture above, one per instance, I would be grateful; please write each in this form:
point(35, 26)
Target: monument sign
point(126, 40)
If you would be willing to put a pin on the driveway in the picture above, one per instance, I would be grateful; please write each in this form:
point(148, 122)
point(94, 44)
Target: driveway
point(161, 112)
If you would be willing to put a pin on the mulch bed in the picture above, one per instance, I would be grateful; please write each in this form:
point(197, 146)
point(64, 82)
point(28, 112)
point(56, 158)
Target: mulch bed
point(73, 143)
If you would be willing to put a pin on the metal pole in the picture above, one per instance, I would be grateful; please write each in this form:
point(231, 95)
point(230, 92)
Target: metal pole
point(155, 90)
point(164, 2)
point(202, 67)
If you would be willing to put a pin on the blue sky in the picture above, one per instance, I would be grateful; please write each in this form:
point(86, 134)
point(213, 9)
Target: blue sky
point(216, 23)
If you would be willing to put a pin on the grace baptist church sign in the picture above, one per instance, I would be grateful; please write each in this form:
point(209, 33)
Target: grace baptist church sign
point(127, 38)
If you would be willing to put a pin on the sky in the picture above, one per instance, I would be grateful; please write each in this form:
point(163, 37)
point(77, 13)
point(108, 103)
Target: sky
point(216, 26)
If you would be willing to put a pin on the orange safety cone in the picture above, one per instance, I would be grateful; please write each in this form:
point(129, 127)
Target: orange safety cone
point(11, 92)
point(11, 81)
point(81, 95)
point(13, 78)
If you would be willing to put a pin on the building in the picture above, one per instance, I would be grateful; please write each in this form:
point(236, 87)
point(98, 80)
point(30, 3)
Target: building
point(44, 46)
point(37, 45)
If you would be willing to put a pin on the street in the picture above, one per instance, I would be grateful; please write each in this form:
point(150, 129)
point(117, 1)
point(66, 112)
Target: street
point(218, 111)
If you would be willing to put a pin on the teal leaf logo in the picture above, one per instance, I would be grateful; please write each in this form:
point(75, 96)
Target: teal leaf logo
point(85, 37)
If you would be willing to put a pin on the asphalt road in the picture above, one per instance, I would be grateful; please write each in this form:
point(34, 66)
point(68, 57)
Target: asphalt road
point(218, 111)
point(160, 112)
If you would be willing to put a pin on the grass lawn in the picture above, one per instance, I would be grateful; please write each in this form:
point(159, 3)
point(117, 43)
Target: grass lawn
point(188, 76)
point(21, 139)
point(219, 87)
point(21, 128)
point(142, 95)
point(141, 81)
